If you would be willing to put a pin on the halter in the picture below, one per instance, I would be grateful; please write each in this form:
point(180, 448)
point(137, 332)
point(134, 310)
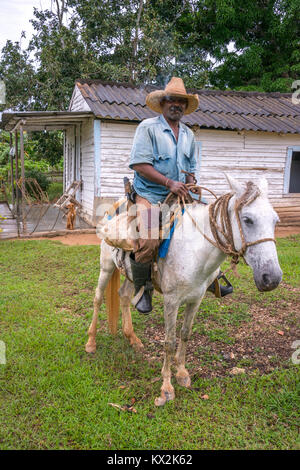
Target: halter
point(220, 209)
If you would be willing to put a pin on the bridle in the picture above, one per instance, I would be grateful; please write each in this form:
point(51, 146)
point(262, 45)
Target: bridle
point(222, 231)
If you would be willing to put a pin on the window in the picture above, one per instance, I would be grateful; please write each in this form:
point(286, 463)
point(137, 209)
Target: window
point(292, 171)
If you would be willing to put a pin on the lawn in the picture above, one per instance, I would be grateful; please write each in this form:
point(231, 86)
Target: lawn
point(55, 396)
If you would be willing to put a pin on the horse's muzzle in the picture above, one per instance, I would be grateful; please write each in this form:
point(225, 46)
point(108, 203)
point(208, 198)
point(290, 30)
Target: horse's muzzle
point(268, 281)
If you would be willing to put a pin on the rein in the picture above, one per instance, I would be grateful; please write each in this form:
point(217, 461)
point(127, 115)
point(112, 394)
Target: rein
point(223, 234)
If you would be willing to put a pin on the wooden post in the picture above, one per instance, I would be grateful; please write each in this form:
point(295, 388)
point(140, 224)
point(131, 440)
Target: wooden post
point(17, 212)
point(12, 172)
point(22, 176)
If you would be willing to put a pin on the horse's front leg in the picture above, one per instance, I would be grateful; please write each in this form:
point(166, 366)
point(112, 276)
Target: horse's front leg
point(170, 314)
point(182, 375)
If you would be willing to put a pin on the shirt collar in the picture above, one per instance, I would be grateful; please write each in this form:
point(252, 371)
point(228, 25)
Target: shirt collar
point(166, 126)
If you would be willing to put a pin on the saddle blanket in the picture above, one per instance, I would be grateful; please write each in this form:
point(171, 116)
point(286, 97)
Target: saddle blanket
point(116, 231)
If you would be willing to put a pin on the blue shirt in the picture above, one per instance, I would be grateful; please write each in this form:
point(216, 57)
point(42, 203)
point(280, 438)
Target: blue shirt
point(154, 143)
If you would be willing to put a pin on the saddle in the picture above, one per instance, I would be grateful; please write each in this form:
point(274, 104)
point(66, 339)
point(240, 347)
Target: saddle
point(118, 226)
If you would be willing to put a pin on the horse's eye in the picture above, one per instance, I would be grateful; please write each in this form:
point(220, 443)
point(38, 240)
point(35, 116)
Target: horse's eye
point(248, 221)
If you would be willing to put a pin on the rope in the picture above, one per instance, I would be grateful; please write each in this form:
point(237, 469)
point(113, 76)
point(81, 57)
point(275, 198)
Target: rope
point(222, 231)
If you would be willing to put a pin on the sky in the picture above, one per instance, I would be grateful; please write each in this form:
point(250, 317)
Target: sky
point(14, 18)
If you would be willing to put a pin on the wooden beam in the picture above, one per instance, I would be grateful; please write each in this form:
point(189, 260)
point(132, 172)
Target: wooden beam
point(15, 128)
point(17, 212)
point(12, 171)
point(22, 176)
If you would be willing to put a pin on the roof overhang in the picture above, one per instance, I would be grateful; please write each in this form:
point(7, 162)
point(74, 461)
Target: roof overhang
point(42, 120)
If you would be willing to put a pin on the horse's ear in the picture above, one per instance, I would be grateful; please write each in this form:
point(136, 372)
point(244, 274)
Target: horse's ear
point(263, 186)
point(235, 185)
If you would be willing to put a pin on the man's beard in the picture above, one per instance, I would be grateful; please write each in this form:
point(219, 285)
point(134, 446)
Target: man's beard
point(175, 113)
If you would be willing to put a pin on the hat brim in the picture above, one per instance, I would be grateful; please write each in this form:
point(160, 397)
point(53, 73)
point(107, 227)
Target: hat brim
point(154, 98)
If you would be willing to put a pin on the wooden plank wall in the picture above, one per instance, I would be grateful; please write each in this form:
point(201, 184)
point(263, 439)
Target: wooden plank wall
point(250, 155)
point(244, 155)
point(87, 166)
point(116, 143)
point(78, 103)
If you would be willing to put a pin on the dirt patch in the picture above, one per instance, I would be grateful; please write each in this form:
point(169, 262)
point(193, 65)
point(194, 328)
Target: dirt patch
point(75, 239)
point(258, 346)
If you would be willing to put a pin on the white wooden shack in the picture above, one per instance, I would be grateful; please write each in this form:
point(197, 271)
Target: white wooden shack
point(247, 134)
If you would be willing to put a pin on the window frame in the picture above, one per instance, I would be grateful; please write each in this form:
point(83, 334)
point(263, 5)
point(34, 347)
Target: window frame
point(287, 170)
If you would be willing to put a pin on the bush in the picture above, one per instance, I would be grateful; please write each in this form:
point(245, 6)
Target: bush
point(55, 190)
point(41, 178)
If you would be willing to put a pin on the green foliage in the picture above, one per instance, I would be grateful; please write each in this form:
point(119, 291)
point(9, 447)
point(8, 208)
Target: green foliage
point(17, 71)
point(54, 191)
point(46, 146)
point(43, 152)
point(265, 36)
point(226, 44)
point(40, 177)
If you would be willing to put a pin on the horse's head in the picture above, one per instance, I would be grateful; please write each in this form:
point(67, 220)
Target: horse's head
point(257, 222)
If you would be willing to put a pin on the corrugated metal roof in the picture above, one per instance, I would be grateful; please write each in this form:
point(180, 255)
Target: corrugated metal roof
point(273, 112)
point(42, 120)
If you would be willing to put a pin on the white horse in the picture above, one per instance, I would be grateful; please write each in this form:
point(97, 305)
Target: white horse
point(191, 264)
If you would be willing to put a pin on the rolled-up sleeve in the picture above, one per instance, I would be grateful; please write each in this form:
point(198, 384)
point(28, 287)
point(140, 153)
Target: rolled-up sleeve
point(142, 148)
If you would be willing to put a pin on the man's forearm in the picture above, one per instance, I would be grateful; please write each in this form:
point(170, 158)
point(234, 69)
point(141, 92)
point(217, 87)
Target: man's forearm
point(148, 171)
point(189, 178)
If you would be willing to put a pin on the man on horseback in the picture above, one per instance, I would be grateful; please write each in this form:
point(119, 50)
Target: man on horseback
point(162, 147)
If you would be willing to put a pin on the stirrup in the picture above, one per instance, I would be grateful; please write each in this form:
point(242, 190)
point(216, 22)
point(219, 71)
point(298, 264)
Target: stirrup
point(218, 289)
point(142, 301)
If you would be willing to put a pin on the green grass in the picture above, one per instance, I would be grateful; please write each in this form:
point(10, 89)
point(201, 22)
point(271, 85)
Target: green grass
point(55, 396)
point(54, 191)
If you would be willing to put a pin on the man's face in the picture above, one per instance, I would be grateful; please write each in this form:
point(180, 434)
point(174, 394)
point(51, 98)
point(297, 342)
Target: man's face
point(173, 107)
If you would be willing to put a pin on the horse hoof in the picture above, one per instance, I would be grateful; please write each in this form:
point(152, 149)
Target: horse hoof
point(160, 401)
point(165, 396)
point(90, 348)
point(183, 380)
point(137, 344)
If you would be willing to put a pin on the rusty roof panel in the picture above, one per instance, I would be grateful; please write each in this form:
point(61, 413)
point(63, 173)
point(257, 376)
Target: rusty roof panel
point(272, 112)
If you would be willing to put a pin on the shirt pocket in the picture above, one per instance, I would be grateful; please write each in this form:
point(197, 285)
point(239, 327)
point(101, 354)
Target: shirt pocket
point(164, 164)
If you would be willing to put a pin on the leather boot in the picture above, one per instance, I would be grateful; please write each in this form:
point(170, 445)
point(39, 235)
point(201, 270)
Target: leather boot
point(141, 274)
point(223, 290)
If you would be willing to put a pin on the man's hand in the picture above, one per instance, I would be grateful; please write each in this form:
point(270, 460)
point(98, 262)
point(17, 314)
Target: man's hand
point(178, 188)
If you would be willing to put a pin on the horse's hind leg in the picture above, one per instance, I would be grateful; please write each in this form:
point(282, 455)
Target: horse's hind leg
point(125, 293)
point(182, 375)
point(107, 269)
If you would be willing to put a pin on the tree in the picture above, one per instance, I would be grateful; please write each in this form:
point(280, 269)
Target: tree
point(59, 54)
point(235, 44)
point(265, 35)
point(17, 71)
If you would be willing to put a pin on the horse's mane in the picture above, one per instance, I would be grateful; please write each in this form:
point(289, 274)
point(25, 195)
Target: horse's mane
point(251, 193)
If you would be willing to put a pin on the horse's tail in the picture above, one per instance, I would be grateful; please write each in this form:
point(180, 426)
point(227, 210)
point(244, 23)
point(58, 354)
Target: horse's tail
point(113, 301)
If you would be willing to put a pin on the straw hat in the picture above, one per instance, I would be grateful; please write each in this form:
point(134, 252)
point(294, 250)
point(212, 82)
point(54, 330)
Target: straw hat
point(175, 87)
